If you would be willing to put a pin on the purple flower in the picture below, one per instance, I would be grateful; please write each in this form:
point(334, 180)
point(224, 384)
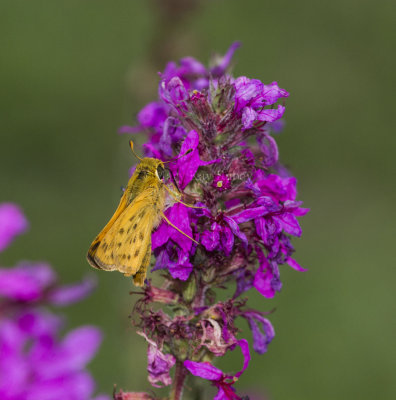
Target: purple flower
point(266, 279)
point(35, 364)
point(222, 381)
point(187, 165)
point(175, 260)
point(223, 63)
point(251, 96)
point(262, 330)
point(221, 235)
point(158, 364)
point(33, 282)
point(12, 223)
point(178, 214)
point(221, 183)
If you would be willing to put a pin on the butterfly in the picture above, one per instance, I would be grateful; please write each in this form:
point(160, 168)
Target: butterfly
point(124, 244)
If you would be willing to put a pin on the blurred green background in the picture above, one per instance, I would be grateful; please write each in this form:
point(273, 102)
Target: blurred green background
point(73, 71)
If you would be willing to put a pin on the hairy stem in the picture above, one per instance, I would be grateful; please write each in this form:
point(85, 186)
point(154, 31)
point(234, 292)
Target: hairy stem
point(178, 382)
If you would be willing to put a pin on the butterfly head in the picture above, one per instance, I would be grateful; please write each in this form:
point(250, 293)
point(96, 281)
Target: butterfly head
point(151, 167)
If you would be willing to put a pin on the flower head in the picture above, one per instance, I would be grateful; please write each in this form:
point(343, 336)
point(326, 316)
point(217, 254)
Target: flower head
point(216, 133)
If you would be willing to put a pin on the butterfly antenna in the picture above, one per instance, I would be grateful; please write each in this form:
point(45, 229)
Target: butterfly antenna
point(133, 151)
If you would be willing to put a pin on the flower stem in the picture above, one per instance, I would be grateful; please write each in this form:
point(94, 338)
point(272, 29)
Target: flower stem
point(178, 382)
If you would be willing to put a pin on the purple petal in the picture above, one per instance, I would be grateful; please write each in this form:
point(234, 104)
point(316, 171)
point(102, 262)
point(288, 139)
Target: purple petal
point(158, 364)
point(191, 66)
point(295, 265)
point(79, 386)
point(264, 279)
point(204, 370)
point(68, 294)
point(244, 345)
point(188, 165)
point(152, 115)
point(249, 214)
point(272, 114)
point(289, 224)
point(273, 92)
point(261, 337)
point(79, 347)
point(235, 229)
point(178, 215)
point(248, 117)
point(270, 149)
point(12, 223)
point(38, 324)
point(25, 282)
point(182, 268)
point(227, 240)
point(247, 90)
point(224, 62)
point(210, 239)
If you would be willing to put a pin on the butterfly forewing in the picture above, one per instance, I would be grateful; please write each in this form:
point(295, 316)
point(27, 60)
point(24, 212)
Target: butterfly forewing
point(126, 244)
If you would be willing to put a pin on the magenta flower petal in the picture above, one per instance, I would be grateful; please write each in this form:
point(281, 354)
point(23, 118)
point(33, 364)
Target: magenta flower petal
point(158, 364)
point(262, 330)
point(272, 93)
point(12, 223)
point(25, 282)
point(178, 215)
point(295, 265)
point(188, 164)
point(68, 294)
point(222, 65)
point(272, 114)
point(244, 345)
point(204, 370)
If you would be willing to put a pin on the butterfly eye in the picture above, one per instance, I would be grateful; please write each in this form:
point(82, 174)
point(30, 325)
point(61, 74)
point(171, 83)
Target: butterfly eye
point(160, 171)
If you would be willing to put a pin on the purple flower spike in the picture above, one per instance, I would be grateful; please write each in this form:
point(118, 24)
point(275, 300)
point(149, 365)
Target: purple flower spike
point(12, 223)
point(216, 134)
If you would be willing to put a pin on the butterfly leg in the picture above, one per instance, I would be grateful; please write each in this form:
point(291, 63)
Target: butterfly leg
point(140, 276)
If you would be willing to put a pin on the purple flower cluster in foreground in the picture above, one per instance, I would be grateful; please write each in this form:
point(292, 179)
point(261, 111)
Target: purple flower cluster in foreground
point(36, 363)
point(217, 131)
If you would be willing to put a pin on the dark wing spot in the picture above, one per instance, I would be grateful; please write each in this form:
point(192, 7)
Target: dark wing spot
point(112, 255)
point(141, 215)
point(141, 236)
point(95, 246)
point(124, 256)
point(134, 239)
point(129, 256)
point(119, 244)
point(121, 231)
point(136, 253)
point(134, 226)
